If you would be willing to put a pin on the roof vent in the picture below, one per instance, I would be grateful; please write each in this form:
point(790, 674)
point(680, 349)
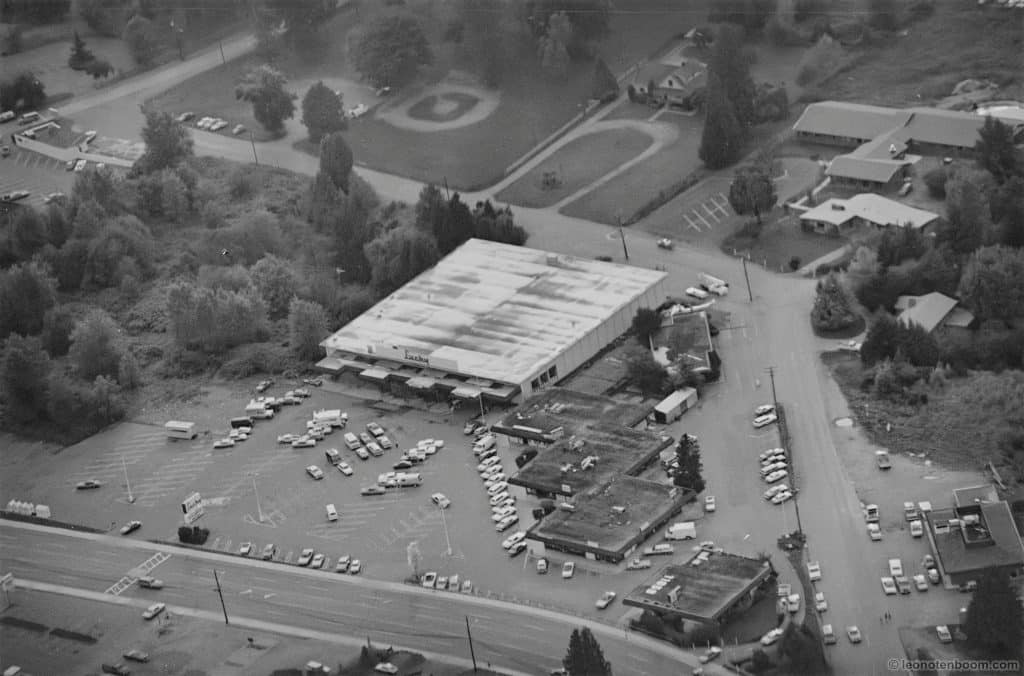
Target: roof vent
point(838, 207)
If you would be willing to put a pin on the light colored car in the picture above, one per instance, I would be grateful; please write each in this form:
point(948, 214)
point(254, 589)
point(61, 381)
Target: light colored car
point(605, 600)
point(218, 125)
point(362, 453)
point(153, 611)
point(502, 513)
point(712, 653)
point(287, 438)
point(304, 442)
point(489, 462)
point(365, 438)
point(318, 561)
point(130, 527)
point(765, 420)
point(518, 536)
point(226, 442)
point(467, 586)
point(488, 473)
point(829, 634)
point(820, 604)
point(793, 603)
point(355, 567)
point(709, 503)
point(237, 435)
point(357, 111)
point(268, 552)
point(889, 586)
point(238, 129)
point(80, 165)
point(699, 294)
point(775, 490)
point(850, 346)
point(246, 549)
point(769, 467)
point(315, 472)
point(374, 449)
point(771, 637)
point(185, 117)
point(920, 582)
point(776, 476)
point(345, 468)
point(874, 532)
point(343, 563)
point(764, 409)
point(316, 432)
point(440, 500)
point(386, 668)
point(853, 633)
point(916, 529)
point(374, 429)
point(568, 569)
point(429, 580)
point(517, 549)
point(814, 571)
point(135, 655)
point(351, 441)
point(148, 582)
point(771, 452)
point(781, 497)
point(499, 498)
point(305, 556)
point(497, 478)
point(507, 523)
point(942, 631)
point(384, 442)
point(497, 488)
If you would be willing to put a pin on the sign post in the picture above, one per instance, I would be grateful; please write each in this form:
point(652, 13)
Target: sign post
point(192, 508)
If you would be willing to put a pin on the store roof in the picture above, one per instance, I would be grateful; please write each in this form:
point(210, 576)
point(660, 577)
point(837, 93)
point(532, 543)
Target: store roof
point(494, 311)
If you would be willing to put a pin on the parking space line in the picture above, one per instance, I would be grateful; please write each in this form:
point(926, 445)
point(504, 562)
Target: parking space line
point(702, 219)
point(710, 213)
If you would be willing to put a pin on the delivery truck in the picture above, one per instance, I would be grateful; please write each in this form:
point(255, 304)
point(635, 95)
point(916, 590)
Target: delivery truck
point(672, 407)
point(682, 530)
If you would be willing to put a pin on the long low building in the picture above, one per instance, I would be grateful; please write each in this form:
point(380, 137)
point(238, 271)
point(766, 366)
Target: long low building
point(493, 322)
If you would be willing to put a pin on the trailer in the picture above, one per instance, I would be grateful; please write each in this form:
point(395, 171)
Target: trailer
point(672, 407)
point(333, 417)
point(179, 429)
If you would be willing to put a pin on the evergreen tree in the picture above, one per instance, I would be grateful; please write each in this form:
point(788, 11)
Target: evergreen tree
point(722, 138)
point(996, 151)
point(691, 472)
point(24, 367)
point(585, 657)
point(336, 160)
point(967, 213)
point(752, 191)
point(605, 84)
point(881, 341)
point(995, 620)
point(731, 65)
point(168, 142)
point(80, 54)
point(322, 112)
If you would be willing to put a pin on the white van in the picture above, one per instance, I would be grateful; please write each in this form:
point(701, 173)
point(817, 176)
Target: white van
point(332, 513)
point(684, 530)
point(408, 480)
point(484, 443)
point(333, 456)
point(258, 409)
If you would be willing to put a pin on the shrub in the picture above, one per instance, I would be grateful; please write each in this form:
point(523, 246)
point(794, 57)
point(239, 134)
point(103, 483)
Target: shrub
point(124, 238)
point(935, 180)
point(232, 278)
point(794, 263)
point(96, 346)
point(241, 183)
point(214, 320)
point(832, 310)
point(249, 360)
point(820, 62)
point(58, 323)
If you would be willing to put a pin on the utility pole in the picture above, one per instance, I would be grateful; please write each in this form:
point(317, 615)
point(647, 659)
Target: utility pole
point(124, 464)
point(253, 142)
point(221, 595)
point(480, 398)
point(258, 508)
point(789, 452)
point(222, 59)
point(750, 295)
point(622, 236)
point(471, 653)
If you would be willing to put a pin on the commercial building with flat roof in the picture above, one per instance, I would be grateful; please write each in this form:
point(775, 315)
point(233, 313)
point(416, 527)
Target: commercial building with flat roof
point(493, 321)
point(711, 587)
point(556, 413)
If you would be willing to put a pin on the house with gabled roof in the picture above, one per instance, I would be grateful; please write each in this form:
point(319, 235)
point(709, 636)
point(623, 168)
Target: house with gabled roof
point(672, 82)
point(835, 215)
point(933, 312)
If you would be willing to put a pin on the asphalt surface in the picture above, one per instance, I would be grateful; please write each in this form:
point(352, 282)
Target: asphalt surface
point(508, 636)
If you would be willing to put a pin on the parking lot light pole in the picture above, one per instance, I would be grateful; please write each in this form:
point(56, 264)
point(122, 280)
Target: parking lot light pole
point(480, 398)
point(258, 508)
point(124, 464)
point(444, 523)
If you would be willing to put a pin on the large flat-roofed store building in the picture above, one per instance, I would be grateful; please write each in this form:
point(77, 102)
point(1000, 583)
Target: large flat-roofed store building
point(494, 322)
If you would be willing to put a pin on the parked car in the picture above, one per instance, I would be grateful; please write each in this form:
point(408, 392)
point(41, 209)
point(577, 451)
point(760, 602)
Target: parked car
point(776, 476)
point(814, 571)
point(517, 549)
point(130, 527)
point(920, 582)
point(889, 586)
point(362, 453)
point(372, 490)
point(542, 566)
point(712, 653)
point(147, 582)
point(516, 537)
point(853, 633)
point(386, 668)
point(698, 293)
point(238, 129)
point(87, 484)
point(402, 464)
point(375, 429)
point(781, 497)
point(357, 111)
point(153, 611)
point(764, 409)
point(709, 503)
point(343, 563)
point(268, 552)
point(820, 604)
point(916, 529)
point(499, 498)
point(374, 449)
point(568, 569)
point(304, 441)
point(605, 600)
point(765, 420)
point(440, 500)
point(287, 438)
point(245, 549)
point(793, 603)
point(135, 655)
point(264, 385)
point(874, 532)
point(305, 556)
point(315, 472)
point(302, 392)
point(829, 634)
point(355, 567)
point(318, 561)
point(507, 523)
point(428, 580)
point(942, 631)
point(365, 438)
point(639, 564)
point(774, 490)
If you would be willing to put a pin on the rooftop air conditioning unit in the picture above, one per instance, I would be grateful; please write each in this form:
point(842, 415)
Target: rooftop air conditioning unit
point(838, 207)
point(970, 519)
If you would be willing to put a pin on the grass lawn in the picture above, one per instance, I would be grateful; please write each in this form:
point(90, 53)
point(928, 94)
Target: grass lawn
point(639, 184)
point(576, 164)
point(960, 427)
point(959, 41)
point(780, 240)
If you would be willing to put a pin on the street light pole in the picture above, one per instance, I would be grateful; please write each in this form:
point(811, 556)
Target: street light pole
point(444, 523)
point(221, 595)
point(472, 654)
point(480, 398)
point(258, 508)
point(750, 295)
point(253, 142)
point(124, 464)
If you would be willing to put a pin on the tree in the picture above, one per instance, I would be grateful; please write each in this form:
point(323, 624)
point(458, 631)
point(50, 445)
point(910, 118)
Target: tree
point(731, 66)
point(644, 372)
point(690, 473)
point(336, 160)
point(1007, 209)
point(214, 320)
point(863, 267)
point(80, 54)
point(272, 104)
point(455, 228)
point(646, 322)
point(391, 51)
point(585, 657)
point(141, 37)
point(307, 327)
point(897, 244)
point(552, 48)
point(168, 142)
point(276, 283)
point(322, 112)
point(935, 179)
point(752, 191)
point(967, 220)
point(995, 620)
point(832, 311)
point(129, 375)
point(28, 233)
point(722, 137)
point(58, 323)
point(752, 15)
point(23, 92)
point(301, 19)
point(881, 340)
point(996, 151)
point(24, 369)
point(992, 284)
point(398, 255)
point(605, 85)
point(938, 270)
point(27, 291)
point(96, 346)
point(124, 245)
point(106, 17)
point(430, 208)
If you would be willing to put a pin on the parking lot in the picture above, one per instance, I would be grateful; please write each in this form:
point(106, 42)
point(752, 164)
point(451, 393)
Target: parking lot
point(38, 174)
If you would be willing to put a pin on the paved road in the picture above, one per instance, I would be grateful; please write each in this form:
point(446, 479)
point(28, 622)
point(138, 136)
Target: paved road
point(524, 639)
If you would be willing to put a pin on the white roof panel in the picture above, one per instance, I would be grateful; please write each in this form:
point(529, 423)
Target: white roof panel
point(494, 311)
